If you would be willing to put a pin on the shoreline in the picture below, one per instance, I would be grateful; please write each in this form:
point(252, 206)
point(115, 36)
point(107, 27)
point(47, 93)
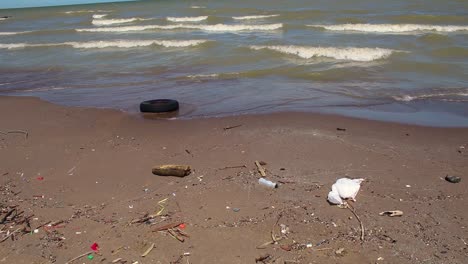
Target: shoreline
point(91, 169)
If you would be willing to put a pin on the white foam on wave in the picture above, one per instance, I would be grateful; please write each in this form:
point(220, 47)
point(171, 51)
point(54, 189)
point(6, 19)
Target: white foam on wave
point(409, 98)
point(253, 17)
point(197, 7)
point(346, 53)
point(187, 19)
point(106, 22)
point(13, 33)
point(111, 44)
point(214, 28)
point(98, 16)
point(392, 28)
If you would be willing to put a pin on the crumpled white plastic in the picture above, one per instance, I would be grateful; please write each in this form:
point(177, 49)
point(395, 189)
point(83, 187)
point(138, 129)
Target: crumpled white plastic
point(344, 188)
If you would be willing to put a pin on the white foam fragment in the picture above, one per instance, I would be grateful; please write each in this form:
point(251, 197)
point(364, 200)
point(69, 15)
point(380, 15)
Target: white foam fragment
point(346, 53)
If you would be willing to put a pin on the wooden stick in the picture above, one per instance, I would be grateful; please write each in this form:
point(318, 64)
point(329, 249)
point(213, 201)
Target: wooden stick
point(168, 226)
point(231, 127)
point(12, 233)
point(233, 167)
point(148, 250)
point(358, 218)
point(260, 168)
point(15, 131)
point(175, 235)
point(78, 257)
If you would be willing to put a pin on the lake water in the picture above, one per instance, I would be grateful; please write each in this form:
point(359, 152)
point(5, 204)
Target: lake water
point(398, 60)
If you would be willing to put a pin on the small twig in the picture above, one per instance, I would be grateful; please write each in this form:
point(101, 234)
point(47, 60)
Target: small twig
point(80, 256)
point(231, 127)
point(260, 168)
point(148, 250)
point(233, 167)
point(168, 226)
point(12, 233)
point(15, 131)
point(358, 218)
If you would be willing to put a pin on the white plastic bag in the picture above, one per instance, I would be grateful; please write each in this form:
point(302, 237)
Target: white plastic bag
point(344, 188)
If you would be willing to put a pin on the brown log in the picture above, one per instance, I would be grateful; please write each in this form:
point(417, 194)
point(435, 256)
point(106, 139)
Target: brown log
point(172, 170)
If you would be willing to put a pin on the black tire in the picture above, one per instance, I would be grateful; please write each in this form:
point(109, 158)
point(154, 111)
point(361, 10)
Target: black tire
point(159, 106)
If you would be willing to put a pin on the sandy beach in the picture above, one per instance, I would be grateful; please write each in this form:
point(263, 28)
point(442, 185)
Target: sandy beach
point(89, 170)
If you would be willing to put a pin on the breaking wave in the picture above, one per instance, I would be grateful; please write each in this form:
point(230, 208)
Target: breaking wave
point(98, 16)
point(253, 17)
point(439, 96)
point(111, 44)
point(105, 22)
point(13, 33)
point(214, 28)
point(392, 28)
point(346, 53)
point(187, 19)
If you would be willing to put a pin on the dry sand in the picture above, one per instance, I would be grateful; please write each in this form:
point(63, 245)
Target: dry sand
point(96, 177)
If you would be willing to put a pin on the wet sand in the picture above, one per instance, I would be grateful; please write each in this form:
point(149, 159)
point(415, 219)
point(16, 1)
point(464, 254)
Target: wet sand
point(91, 169)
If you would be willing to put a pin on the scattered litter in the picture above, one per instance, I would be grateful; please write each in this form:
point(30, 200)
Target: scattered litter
point(235, 209)
point(130, 206)
point(453, 179)
point(90, 257)
point(80, 256)
point(380, 258)
point(408, 186)
point(182, 226)
point(309, 245)
point(284, 229)
point(78, 233)
point(117, 260)
point(267, 183)
point(344, 188)
point(36, 231)
point(40, 178)
point(340, 251)
point(95, 247)
point(172, 170)
point(392, 213)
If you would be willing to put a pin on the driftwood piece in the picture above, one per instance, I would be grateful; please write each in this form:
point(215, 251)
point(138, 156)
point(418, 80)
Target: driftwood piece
point(260, 168)
point(392, 213)
point(172, 170)
point(167, 227)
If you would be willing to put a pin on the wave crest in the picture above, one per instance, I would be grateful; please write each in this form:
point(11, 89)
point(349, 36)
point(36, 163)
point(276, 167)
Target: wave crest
point(346, 53)
point(214, 28)
point(392, 28)
point(253, 17)
point(111, 44)
point(187, 19)
point(105, 22)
